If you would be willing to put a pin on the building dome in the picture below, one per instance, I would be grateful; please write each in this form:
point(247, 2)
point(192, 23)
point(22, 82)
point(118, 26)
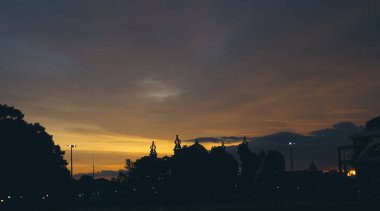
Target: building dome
point(198, 149)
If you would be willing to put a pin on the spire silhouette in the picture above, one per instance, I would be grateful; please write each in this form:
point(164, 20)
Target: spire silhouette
point(153, 152)
point(177, 146)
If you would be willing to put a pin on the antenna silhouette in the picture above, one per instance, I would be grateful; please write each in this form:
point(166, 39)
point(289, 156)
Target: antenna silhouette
point(93, 166)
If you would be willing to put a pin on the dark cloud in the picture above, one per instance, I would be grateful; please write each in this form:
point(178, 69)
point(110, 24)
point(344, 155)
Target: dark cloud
point(214, 140)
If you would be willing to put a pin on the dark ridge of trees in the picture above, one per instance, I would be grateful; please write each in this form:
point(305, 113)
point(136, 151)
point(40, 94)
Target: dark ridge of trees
point(30, 161)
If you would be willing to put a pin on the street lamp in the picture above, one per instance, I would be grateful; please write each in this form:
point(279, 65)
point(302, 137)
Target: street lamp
point(291, 154)
point(71, 158)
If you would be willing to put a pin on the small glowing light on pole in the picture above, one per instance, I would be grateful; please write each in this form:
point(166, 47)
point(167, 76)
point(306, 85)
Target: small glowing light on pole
point(71, 158)
point(291, 154)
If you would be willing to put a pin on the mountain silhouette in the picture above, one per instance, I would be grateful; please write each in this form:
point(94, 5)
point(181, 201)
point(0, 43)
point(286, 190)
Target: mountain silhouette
point(319, 146)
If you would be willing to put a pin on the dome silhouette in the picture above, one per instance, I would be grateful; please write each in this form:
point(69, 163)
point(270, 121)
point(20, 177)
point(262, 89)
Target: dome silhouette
point(197, 149)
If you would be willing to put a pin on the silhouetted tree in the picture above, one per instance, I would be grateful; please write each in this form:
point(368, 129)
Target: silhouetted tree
point(30, 161)
point(145, 176)
point(224, 174)
point(250, 164)
point(274, 164)
point(273, 169)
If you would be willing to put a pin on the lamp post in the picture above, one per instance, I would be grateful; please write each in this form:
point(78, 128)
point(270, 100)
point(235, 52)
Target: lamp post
point(93, 166)
point(71, 158)
point(291, 154)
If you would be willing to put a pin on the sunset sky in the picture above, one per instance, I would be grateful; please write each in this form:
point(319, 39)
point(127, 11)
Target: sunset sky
point(111, 76)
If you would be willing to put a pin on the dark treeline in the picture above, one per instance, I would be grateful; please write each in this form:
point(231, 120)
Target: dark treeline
point(34, 176)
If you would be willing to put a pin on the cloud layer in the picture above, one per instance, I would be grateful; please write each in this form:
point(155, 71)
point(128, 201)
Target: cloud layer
point(150, 70)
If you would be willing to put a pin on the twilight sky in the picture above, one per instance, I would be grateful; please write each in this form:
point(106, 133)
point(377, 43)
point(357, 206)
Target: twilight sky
point(111, 76)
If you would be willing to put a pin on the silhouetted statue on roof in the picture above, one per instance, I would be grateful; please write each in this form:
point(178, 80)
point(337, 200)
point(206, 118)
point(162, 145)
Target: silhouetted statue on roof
point(153, 152)
point(177, 146)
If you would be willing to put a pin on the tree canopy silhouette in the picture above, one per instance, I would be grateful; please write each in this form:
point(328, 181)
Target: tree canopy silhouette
point(30, 160)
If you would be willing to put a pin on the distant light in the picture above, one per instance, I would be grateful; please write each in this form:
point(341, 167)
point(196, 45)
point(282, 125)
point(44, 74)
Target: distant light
point(351, 173)
point(21, 197)
point(9, 197)
point(278, 187)
point(43, 198)
point(291, 143)
point(2, 200)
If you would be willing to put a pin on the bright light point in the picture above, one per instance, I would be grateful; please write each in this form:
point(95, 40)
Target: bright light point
point(351, 173)
point(9, 197)
point(2, 200)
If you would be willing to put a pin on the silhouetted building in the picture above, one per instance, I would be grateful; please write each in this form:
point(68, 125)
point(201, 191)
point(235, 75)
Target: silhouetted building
point(363, 156)
point(197, 148)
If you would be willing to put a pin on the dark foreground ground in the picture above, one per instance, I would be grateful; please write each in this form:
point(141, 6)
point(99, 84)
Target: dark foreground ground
point(304, 206)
